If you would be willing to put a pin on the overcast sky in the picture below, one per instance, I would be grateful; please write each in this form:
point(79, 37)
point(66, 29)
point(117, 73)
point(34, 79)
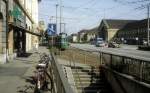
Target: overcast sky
point(86, 14)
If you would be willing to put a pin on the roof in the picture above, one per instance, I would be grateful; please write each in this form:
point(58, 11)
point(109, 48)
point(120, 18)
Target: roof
point(117, 23)
point(93, 30)
point(137, 24)
point(82, 31)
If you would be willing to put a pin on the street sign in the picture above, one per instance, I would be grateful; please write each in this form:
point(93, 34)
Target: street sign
point(51, 30)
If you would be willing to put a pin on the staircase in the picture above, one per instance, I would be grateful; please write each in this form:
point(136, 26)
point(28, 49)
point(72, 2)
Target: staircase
point(89, 79)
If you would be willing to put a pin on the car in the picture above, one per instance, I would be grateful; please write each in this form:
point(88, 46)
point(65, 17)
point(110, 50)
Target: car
point(113, 45)
point(100, 43)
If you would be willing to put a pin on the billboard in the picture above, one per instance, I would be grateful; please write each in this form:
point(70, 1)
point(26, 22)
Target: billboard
point(51, 30)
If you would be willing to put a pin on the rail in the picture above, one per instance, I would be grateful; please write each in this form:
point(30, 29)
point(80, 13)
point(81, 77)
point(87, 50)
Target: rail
point(136, 67)
point(61, 84)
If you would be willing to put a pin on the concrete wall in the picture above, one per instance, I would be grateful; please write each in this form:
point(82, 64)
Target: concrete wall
point(125, 84)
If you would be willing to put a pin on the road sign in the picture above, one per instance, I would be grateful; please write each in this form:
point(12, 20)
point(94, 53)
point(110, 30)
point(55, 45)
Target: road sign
point(51, 30)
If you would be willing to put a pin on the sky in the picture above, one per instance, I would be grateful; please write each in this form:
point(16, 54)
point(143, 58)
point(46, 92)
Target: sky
point(87, 14)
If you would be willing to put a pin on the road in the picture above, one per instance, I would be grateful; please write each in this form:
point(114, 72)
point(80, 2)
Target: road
point(129, 51)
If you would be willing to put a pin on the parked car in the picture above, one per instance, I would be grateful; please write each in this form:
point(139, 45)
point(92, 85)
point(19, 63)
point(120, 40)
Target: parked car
point(113, 45)
point(100, 43)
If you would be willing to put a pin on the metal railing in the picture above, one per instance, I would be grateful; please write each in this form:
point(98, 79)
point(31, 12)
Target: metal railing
point(61, 84)
point(139, 68)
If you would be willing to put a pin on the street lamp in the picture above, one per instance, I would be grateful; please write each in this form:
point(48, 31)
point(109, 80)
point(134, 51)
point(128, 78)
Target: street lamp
point(60, 13)
point(56, 16)
point(148, 25)
point(122, 39)
point(136, 40)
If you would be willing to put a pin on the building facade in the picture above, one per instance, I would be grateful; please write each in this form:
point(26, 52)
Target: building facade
point(109, 28)
point(132, 32)
point(18, 28)
point(91, 34)
point(3, 41)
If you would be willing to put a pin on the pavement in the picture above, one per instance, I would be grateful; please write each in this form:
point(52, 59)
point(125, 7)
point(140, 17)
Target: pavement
point(16, 76)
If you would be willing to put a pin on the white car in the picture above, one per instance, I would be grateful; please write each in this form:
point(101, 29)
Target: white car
point(100, 44)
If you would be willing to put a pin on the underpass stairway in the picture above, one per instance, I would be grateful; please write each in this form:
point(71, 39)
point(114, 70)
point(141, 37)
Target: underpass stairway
point(90, 79)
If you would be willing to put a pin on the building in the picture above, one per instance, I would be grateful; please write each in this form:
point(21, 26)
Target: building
point(3, 36)
point(91, 34)
point(20, 33)
point(81, 36)
point(125, 31)
point(133, 32)
point(109, 27)
point(74, 38)
point(42, 27)
point(87, 35)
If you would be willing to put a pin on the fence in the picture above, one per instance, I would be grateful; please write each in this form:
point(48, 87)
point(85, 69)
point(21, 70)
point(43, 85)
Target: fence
point(136, 67)
point(61, 84)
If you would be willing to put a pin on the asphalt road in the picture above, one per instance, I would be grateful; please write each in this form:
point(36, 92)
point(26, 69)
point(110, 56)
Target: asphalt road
point(129, 51)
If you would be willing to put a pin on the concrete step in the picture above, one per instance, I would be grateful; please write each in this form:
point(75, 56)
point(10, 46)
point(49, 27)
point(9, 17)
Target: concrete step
point(91, 80)
point(91, 86)
point(90, 83)
point(86, 73)
point(86, 70)
point(87, 76)
point(81, 67)
point(94, 91)
point(88, 79)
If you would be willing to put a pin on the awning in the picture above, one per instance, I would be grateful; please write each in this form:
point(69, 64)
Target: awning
point(23, 29)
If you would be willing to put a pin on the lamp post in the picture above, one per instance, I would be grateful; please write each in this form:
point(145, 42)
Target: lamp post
point(136, 40)
point(60, 13)
point(148, 25)
point(122, 39)
point(56, 16)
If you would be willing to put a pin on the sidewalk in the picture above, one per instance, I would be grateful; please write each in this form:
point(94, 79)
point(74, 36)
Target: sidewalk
point(16, 76)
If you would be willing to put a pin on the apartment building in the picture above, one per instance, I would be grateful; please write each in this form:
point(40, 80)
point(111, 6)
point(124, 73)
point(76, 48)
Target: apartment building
point(18, 31)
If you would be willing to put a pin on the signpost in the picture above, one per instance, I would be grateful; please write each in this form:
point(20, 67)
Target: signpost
point(51, 30)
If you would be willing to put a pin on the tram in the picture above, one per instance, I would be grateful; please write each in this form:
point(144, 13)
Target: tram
point(59, 41)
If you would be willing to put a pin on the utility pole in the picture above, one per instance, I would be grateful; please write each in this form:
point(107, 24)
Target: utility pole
point(56, 16)
point(148, 25)
point(7, 29)
point(64, 27)
point(60, 13)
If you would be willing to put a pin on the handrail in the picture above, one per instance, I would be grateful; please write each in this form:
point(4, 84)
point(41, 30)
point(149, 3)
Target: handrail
point(116, 54)
point(61, 83)
point(134, 66)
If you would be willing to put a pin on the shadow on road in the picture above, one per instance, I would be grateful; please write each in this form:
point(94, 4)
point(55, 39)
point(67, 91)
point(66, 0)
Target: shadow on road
point(29, 87)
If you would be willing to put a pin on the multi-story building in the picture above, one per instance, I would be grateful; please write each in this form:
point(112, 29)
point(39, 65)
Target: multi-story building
point(22, 33)
point(3, 41)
